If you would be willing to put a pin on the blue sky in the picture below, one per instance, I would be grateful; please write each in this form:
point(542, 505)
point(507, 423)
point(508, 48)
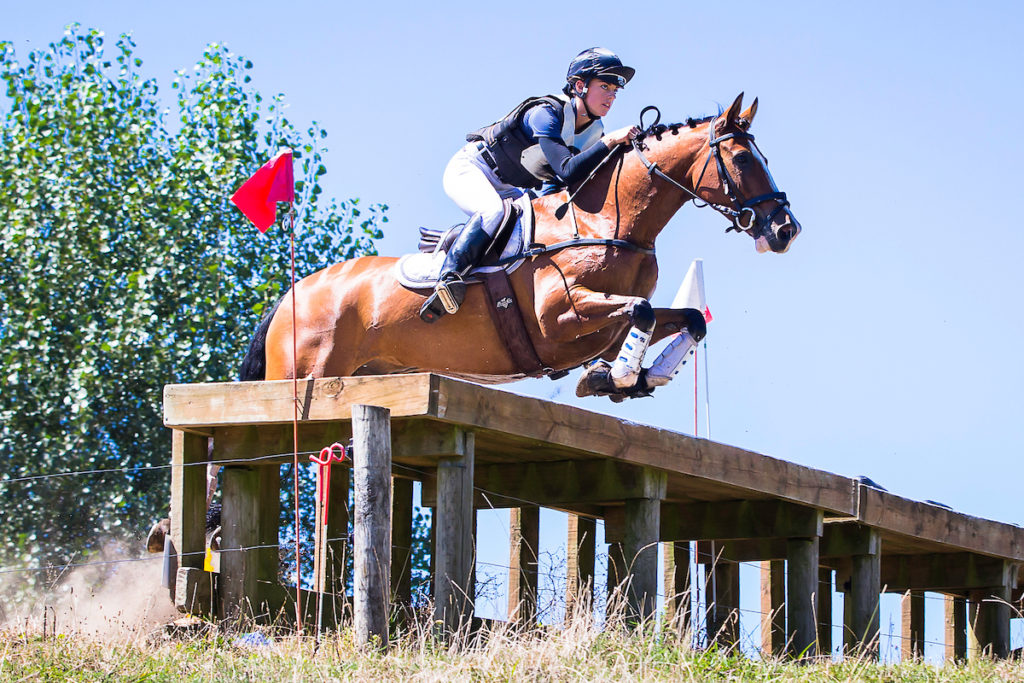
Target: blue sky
point(886, 343)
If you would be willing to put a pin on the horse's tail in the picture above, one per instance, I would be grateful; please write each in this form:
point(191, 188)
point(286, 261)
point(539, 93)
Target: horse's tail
point(254, 364)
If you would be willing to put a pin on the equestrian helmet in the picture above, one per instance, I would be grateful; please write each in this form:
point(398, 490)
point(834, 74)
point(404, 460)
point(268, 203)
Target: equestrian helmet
point(598, 62)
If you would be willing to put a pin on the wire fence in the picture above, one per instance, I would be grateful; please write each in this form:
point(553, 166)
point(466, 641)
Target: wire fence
point(488, 585)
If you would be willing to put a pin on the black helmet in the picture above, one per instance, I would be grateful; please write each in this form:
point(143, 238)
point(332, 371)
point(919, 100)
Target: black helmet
point(597, 62)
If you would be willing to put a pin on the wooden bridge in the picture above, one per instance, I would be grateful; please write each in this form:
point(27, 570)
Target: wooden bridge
point(473, 447)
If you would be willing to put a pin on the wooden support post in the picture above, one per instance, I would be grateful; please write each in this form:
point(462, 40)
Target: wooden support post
point(471, 584)
point(249, 552)
point(401, 547)
point(581, 547)
point(677, 584)
point(640, 545)
point(992, 626)
point(371, 435)
point(337, 541)
point(864, 593)
point(912, 626)
point(524, 536)
point(615, 582)
point(433, 552)
point(188, 497)
point(956, 628)
point(974, 649)
point(726, 622)
point(801, 595)
point(773, 614)
point(824, 611)
point(453, 605)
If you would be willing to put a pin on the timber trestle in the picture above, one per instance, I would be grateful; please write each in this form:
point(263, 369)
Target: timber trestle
point(475, 447)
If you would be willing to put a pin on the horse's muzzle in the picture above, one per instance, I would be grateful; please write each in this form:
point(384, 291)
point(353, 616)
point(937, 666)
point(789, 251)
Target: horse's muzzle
point(778, 237)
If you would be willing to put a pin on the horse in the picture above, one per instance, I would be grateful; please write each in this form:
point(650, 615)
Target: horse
point(579, 302)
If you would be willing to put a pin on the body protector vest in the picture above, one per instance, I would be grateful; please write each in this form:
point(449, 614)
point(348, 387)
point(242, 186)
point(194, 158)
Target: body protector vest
point(519, 159)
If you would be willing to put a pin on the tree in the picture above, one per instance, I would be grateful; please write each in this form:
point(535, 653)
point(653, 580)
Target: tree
point(123, 268)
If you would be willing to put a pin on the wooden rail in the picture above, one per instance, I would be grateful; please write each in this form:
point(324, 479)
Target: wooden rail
point(467, 443)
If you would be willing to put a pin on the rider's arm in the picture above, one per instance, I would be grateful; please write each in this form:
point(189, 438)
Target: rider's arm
point(570, 167)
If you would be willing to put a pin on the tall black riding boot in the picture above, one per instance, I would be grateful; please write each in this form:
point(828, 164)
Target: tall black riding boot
point(465, 253)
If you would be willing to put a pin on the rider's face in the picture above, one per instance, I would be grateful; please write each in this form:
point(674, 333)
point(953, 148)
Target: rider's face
point(600, 96)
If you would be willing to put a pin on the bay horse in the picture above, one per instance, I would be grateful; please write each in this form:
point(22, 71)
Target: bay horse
point(577, 303)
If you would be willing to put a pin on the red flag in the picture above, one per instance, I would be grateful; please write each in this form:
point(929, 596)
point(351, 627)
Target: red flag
point(258, 196)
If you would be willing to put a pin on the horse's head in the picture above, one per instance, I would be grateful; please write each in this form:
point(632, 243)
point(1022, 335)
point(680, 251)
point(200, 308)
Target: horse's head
point(745, 190)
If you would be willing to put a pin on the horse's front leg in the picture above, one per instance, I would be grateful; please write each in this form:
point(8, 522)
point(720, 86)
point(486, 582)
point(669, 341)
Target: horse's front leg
point(685, 327)
point(587, 311)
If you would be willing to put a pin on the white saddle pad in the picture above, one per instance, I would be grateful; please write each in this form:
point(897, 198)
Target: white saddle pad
point(421, 271)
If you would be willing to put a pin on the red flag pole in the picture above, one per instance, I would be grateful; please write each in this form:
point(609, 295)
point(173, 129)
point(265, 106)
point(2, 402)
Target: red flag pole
point(295, 432)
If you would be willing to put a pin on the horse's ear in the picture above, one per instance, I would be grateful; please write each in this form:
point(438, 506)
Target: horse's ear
point(747, 117)
point(731, 113)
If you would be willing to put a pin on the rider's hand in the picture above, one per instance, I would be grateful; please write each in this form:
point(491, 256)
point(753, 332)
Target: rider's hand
point(617, 137)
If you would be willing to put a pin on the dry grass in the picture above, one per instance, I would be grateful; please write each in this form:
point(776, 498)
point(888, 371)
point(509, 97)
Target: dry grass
point(581, 651)
point(117, 635)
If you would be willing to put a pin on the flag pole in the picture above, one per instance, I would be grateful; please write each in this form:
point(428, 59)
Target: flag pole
point(707, 390)
point(295, 431)
point(695, 391)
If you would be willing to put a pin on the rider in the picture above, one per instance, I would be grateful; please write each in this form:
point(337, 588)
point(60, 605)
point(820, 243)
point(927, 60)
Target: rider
point(543, 145)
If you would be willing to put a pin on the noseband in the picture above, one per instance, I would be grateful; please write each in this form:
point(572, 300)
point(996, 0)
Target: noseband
point(742, 214)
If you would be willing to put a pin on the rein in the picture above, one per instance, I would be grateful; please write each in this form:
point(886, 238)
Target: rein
point(744, 208)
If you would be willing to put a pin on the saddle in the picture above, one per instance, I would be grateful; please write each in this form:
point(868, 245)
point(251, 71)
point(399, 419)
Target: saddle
point(421, 270)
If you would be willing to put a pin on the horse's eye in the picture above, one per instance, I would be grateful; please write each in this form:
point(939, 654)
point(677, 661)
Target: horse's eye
point(742, 159)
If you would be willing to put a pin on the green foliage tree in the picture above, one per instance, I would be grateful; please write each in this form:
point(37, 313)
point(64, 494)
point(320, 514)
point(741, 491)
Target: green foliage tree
point(123, 267)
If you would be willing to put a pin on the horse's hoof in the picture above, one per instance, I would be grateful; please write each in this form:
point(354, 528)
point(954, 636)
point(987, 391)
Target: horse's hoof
point(155, 540)
point(596, 380)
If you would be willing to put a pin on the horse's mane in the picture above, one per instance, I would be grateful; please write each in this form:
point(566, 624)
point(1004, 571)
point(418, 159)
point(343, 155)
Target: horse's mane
point(660, 129)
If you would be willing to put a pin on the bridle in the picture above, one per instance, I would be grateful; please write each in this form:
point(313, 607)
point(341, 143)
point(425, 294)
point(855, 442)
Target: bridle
point(741, 214)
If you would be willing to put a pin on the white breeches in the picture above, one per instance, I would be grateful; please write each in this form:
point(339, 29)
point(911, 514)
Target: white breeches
point(475, 188)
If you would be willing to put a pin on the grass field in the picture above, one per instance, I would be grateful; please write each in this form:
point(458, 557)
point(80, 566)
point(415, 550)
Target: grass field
point(580, 652)
point(117, 633)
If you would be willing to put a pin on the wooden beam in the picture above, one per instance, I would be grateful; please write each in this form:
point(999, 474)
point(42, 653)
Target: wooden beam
point(940, 572)
point(992, 626)
point(956, 628)
point(773, 608)
point(249, 551)
point(863, 596)
point(724, 624)
point(844, 539)
point(738, 519)
point(640, 546)
point(677, 583)
point(401, 547)
point(550, 484)
point(188, 498)
point(202, 406)
point(453, 604)
point(615, 583)
point(824, 611)
point(912, 626)
point(580, 430)
point(371, 433)
point(581, 548)
point(195, 592)
point(957, 531)
point(801, 596)
point(524, 538)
